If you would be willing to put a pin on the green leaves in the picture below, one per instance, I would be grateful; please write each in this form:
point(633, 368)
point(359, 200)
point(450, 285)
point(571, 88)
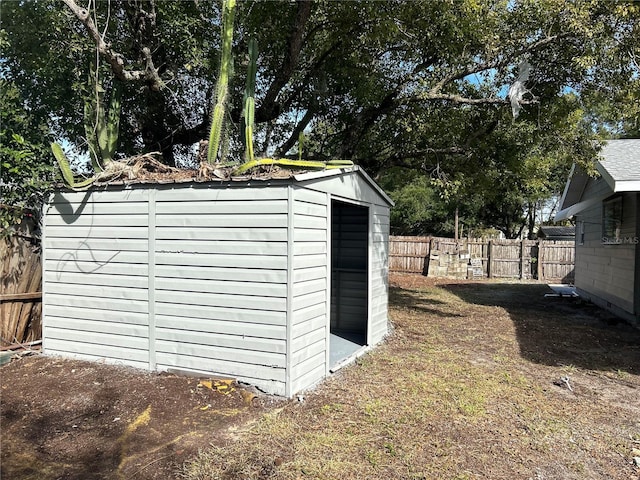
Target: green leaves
point(25, 170)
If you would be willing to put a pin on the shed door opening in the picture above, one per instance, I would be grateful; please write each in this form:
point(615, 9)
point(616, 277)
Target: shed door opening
point(349, 280)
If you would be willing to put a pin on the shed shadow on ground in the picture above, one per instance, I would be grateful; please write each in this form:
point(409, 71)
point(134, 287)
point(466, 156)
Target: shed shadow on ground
point(416, 301)
point(559, 330)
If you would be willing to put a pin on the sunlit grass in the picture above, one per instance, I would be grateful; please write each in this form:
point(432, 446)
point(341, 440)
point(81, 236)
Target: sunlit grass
point(435, 401)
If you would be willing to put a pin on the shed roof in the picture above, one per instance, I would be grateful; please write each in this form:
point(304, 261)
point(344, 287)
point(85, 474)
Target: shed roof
point(313, 175)
point(553, 231)
point(275, 175)
point(619, 167)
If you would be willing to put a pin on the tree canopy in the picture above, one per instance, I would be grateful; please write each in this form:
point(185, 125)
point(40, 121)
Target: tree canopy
point(415, 85)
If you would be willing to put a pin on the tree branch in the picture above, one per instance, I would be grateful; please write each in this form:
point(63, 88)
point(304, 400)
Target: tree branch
point(365, 120)
point(497, 63)
point(400, 157)
point(466, 100)
point(293, 138)
point(115, 59)
point(295, 41)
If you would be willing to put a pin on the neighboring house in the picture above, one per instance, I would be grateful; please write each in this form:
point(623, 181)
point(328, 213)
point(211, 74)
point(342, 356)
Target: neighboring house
point(607, 215)
point(275, 281)
point(559, 233)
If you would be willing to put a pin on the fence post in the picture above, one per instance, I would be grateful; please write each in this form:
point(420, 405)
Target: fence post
point(522, 262)
point(490, 259)
point(540, 258)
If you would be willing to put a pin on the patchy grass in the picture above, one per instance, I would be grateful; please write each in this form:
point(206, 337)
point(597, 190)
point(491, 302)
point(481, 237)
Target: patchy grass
point(466, 387)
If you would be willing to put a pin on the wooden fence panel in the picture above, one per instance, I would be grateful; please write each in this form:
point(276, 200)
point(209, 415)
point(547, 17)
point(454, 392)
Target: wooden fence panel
point(521, 259)
point(512, 259)
point(408, 254)
point(447, 244)
point(479, 249)
point(20, 290)
point(557, 261)
point(505, 260)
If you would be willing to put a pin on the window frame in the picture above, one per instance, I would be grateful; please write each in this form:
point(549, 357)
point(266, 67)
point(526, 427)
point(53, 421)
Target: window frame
point(580, 230)
point(612, 215)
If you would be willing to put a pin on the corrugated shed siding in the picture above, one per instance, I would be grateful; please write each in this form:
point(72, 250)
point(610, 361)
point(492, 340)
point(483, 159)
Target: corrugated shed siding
point(309, 311)
point(220, 265)
point(607, 271)
point(354, 187)
point(214, 263)
point(95, 276)
point(379, 276)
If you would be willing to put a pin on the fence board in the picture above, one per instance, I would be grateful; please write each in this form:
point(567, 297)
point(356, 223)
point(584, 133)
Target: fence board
point(557, 260)
point(20, 297)
point(408, 254)
point(522, 259)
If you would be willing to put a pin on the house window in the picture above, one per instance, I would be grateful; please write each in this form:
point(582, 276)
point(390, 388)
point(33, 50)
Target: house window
point(611, 220)
point(580, 232)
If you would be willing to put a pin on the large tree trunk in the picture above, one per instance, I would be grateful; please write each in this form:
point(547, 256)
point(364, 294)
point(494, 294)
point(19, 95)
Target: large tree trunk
point(158, 126)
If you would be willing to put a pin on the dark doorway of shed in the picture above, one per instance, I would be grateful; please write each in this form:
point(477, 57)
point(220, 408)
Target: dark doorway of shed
point(349, 281)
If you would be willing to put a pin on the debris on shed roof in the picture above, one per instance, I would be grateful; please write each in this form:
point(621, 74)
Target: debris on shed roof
point(146, 169)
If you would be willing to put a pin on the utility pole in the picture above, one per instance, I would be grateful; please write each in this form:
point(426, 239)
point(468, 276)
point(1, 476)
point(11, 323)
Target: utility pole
point(456, 226)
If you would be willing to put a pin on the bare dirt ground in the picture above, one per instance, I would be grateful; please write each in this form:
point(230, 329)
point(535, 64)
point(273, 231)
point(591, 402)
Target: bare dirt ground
point(472, 383)
point(68, 419)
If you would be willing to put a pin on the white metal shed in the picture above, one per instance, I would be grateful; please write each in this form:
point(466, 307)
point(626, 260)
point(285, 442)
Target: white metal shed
point(274, 282)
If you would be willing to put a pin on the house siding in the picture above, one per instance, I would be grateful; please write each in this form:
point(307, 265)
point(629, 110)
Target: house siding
point(605, 273)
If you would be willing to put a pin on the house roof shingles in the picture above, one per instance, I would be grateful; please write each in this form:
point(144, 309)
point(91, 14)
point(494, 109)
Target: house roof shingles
point(619, 167)
point(621, 164)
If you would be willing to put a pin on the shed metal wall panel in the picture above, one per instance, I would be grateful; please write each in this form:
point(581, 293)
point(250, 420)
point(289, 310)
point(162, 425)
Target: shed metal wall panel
point(240, 227)
point(132, 319)
point(266, 331)
point(251, 373)
point(309, 288)
point(379, 275)
point(349, 186)
point(96, 244)
point(97, 231)
point(96, 351)
point(240, 315)
point(236, 234)
point(95, 271)
point(100, 326)
point(216, 193)
point(216, 278)
point(352, 187)
point(217, 273)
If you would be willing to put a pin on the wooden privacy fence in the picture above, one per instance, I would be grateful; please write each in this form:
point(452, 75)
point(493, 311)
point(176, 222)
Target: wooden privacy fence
point(483, 258)
point(20, 292)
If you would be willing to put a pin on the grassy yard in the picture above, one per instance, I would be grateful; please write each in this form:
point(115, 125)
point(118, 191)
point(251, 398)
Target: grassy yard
point(467, 386)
